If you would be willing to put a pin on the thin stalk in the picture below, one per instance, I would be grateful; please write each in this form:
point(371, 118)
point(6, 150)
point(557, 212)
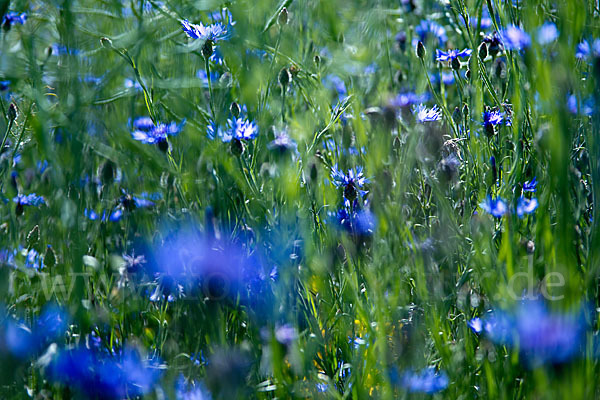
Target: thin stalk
point(210, 92)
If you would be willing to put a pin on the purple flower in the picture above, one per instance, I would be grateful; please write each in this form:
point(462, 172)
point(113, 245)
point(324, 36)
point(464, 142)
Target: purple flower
point(425, 114)
point(514, 38)
point(526, 206)
point(583, 50)
point(450, 55)
point(426, 381)
point(496, 207)
point(492, 118)
point(214, 32)
point(547, 33)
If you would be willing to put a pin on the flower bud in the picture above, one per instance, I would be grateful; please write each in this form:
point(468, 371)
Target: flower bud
point(12, 112)
point(282, 19)
point(421, 50)
point(465, 110)
point(237, 147)
point(235, 109)
point(33, 236)
point(106, 43)
point(483, 51)
point(455, 64)
point(317, 60)
point(49, 257)
point(207, 49)
point(284, 77)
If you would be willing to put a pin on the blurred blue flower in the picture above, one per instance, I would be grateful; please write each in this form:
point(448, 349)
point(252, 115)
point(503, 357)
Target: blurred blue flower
point(106, 376)
point(426, 381)
point(146, 132)
point(356, 219)
point(191, 391)
point(29, 200)
point(496, 207)
point(424, 114)
point(12, 18)
point(547, 33)
point(583, 50)
point(429, 29)
point(444, 56)
point(587, 108)
point(131, 84)
point(201, 74)
point(214, 32)
point(407, 99)
point(530, 186)
point(514, 38)
point(539, 335)
point(486, 21)
point(4, 86)
point(283, 143)
point(335, 83)
point(526, 206)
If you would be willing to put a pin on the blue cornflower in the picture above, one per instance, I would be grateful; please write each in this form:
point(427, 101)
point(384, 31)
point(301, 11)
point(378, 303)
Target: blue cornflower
point(334, 82)
point(450, 55)
point(526, 206)
point(214, 32)
point(514, 38)
point(146, 132)
point(108, 376)
point(492, 118)
point(223, 16)
point(496, 207)
point(530, 186)
point(131, 84)
point(29, 200)
point(191, 391)
point(4, 86)
point(428, 29)
point(426, 381)
point(486, 21)
point(447, 78)
point(213, 131)
point(352, 182)
point(240, 129)
point(587, 108)
point(407, 99)
point(356, 219)
point(12, 18)
point(540, 335)
point(114, 216)
point(283, 143)
point(547, 33)
point(583, 50)
point(425, 114)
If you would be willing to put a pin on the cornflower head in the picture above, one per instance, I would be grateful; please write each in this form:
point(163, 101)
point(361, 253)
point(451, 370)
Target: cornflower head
point(496, 207)
point(352, 182)
point(541, 336)
point(146, 131)
point(425, 114)
point(515, 38)
point(213, 32)
point(448, 56)
point(429, 29)
point(426, 381)
point(356, 219)
point(547, 33)
point(31, 199)
point(11, 18)
point(526, 206)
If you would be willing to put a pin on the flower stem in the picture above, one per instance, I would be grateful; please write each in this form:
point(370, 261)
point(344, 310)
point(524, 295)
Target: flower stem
point(210, 92)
